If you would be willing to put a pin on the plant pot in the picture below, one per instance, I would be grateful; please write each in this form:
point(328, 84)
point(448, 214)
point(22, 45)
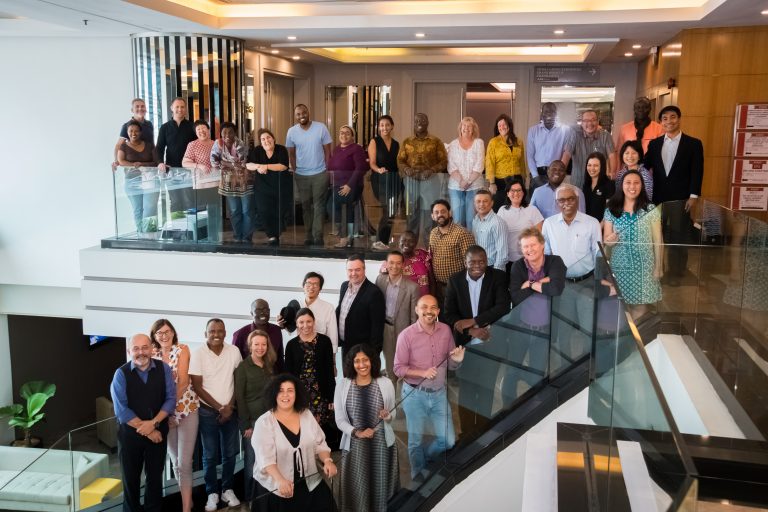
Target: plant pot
point(34, 442)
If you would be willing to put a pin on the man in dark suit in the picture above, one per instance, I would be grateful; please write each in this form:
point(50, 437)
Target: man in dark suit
point(400, 298)
point(360, 313)
point(677, 161)
point(474, 299)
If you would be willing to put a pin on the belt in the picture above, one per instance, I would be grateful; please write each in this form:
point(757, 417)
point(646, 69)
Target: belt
point(542, 170)
point(203, 405)
point(424, 389)
point(580, 278)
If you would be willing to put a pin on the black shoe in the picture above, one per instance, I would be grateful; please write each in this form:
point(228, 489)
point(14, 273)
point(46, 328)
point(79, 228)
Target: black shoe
point(308, 241)
point(318, 242)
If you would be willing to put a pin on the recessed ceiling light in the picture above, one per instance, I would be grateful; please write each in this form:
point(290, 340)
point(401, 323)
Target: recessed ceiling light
point(637, 46)
point(291, 38)
point(295, 57)
point(420, 34)
point(764, 12)
point(275, 52)
point(628, 54)
point(559, 32)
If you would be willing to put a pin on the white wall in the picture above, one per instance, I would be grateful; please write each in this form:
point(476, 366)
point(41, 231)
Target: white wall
point(64, 102)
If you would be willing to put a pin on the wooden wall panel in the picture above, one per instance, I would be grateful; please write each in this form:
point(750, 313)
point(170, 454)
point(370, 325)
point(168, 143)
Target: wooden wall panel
point(719, 68)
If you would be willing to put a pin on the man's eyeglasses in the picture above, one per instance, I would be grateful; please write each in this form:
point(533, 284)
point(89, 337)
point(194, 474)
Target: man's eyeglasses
point(564, 200)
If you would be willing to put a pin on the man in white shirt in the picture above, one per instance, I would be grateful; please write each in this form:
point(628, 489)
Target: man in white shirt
point(574, 236)
point(211, 369)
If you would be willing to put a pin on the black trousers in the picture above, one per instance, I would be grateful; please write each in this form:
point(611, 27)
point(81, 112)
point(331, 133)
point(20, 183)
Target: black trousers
point(387, 188)
point(137, 452)
point(677, 228)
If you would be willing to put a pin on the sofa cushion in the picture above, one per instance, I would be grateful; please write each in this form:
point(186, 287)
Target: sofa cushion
point(36, 487)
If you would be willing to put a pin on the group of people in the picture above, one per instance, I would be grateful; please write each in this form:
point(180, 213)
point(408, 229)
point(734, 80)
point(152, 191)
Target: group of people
point(430, 310)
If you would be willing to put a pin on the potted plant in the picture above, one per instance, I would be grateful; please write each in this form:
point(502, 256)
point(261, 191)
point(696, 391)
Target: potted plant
point(36, 393)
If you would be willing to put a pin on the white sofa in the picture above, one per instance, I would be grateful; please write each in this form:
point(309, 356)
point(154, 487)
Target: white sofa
point(40, 480)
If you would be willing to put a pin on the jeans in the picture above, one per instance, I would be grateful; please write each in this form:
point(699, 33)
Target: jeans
point(181, 448)
point(335, 203)
point(143, 204)
point(211, 200)
point(422, 409)
point(241, 215)
point(218, 438)
point(249, 459)
point(462, 206)
point(312, 192)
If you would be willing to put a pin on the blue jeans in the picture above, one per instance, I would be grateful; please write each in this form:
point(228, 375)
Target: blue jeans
point(218, 438)
point(422, 408)
point(249, 459)
point(462, 206)
point(241, 214)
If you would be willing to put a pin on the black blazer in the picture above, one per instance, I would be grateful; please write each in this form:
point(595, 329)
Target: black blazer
point(686, 174)
point(324, 363)
point(365, 320)
point(554, 269)
point(493, 303)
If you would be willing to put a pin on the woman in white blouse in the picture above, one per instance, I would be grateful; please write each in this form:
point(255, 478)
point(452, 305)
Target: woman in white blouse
point(288, 442)
point(466, 158)
point(518, 216)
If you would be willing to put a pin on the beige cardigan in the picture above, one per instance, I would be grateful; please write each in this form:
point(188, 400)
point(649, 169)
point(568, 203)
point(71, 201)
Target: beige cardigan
point(271, 447)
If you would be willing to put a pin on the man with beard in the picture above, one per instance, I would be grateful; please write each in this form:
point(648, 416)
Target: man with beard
point(423, 160)
point(425, 352)
point(309, 148)
point(144, 394)
point(585, 139)
point(260, 313)
point(544, 197)
point(546, 142)
point(448, 242)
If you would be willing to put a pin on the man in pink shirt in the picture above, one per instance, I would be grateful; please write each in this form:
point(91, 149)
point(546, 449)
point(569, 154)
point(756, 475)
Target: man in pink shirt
point(425, 351)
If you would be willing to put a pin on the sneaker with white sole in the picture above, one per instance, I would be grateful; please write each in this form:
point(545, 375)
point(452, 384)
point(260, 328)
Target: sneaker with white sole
point(229, 498)
point(212, 503)
point(380, 246)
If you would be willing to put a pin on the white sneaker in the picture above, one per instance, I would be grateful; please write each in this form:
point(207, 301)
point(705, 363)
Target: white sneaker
point(380, 246)
point(229, 498)
point(212, 503)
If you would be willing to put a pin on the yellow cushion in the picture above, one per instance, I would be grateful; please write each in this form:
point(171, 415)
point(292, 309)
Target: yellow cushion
point(95, 492)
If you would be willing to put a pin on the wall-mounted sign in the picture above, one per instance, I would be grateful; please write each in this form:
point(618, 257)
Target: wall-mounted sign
point(752, 116)
point(567, 73)
point(749, 198)
point(751, 144)
point(750, 171)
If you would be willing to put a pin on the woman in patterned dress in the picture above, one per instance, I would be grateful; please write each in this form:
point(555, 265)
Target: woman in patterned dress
point(364, 405)
point(228, 156)
point(182, 432)
point(309, 356)
point(633, 226)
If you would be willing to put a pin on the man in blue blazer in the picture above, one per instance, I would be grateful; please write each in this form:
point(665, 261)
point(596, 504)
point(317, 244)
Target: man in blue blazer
point(677, 161)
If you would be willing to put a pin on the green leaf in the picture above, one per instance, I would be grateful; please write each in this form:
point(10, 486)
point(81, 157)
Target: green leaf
point(35, 403)
point(11, 410)
point(21, 422)
point(37, 386)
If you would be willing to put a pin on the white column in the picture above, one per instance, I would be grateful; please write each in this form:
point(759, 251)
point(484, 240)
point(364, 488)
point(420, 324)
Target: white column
point(6, 389)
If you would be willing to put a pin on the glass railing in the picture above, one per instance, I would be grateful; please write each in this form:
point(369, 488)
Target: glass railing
point(185, 208)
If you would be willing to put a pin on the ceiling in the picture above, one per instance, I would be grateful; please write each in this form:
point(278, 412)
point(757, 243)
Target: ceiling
point(375, 31)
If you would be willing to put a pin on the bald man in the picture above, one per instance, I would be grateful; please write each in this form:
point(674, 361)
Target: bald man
point(144, 395)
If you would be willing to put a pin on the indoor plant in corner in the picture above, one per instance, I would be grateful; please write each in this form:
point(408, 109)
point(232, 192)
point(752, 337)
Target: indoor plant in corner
point(36, 393)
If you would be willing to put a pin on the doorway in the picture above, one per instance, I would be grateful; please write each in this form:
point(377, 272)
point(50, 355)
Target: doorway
point(278, 105)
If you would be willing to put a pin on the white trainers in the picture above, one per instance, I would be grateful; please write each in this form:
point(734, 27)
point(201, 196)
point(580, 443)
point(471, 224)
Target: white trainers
point(380, 246)
point(229, 498)
point(212, 503)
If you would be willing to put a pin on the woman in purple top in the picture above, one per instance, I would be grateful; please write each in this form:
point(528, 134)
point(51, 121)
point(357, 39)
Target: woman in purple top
point(534, 279)
point(347, 165)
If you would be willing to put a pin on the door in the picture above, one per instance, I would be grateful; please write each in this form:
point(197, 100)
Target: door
point(278, 105)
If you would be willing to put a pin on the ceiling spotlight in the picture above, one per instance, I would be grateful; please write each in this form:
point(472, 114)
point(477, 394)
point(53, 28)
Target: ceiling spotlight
point(628, 54)
point(420, 34)
point(559, 32)
point(637, 46)
point(291, 38)
point(764, 12)
point(295, 57)
point(275, 52)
